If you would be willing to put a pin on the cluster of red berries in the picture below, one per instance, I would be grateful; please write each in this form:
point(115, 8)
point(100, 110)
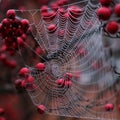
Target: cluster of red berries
point(66, 82)
point(72, 13)
point(2, 112)
point(13, 31)
point(27, 80)
point(106, 12)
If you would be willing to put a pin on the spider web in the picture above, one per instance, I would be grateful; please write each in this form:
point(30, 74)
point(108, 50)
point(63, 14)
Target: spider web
point(75, 46)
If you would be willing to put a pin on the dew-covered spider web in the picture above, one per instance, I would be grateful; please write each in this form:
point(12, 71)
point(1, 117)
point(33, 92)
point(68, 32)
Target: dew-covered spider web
point(70, 41)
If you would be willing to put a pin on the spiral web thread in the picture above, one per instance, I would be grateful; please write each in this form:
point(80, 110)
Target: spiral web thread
point(74, 47)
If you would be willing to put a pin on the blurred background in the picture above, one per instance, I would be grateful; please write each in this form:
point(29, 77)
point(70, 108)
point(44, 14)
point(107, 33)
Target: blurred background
point(17, 104)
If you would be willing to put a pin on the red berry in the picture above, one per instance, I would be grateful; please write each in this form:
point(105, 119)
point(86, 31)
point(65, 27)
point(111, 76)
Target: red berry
point(10, 63)
point(75, 11)
point(29, 79)
point(20, 41)
point(11, 14)
point(24, 71)
point(61, 10)
point(39, 51)
point(109, 107)
point(44, 8)
point(60, 81)
point(54, 6)
point(51, 28)
point(20, 83)
point(40, 66)
point(104, 13)
point(25, 24)
point(68, 83)
point(3, 57)
point(6, 22)
point(2, 118)
point(2, 111)
point(117, 10)
point(41, 109)
point(105, 2)
point(119, 107)
point(68, 76)
point(112, 27)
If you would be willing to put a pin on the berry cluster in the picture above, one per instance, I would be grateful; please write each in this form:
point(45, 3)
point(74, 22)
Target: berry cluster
point(13, 31)
point(27, 80)
point(105, 13)
point(66, 82)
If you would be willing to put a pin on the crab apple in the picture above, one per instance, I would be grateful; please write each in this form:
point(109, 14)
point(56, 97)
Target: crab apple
point(24, 71)
point(75, 11)
point(60, 81)
point(119, 107)
point(112, 27)
point(31, 87)
point(68, 76)
point(117, 10)
point(2, 118)
point(44, 8)
point(23, 36)
point(48, 16)
point(68, 83)
point(41, 109)
point(19, 83)
point(104, 13)
point(20, 41)
point(61, 10)
point(39, 51)
point(11, 14)
point(40, 66)
point(51, 28)
point(25, 24)
point(2, 111)
point(29, 79)
point(10, 63)
point(3, 57)
point(54, 6)
point(6, 22)
point(105, 2)
point(109, 107)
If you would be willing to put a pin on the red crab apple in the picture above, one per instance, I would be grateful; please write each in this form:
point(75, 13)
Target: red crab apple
point(20, 41)
point(60, 81)
point(40, 66)
point(51, 28)
point(29, 79)
point(68, 76)
point(2, 118)
point(11, 14)
point(104, 13)
point(119, 107)
point(105, 2)
point(19, 83)
point(24, 71)
point(38, 51)
point(41, 109)
point(109, 107)
point(68, 83)
point(44, 8)
point(2, 111)
point(117, 10)
point(112, 27)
